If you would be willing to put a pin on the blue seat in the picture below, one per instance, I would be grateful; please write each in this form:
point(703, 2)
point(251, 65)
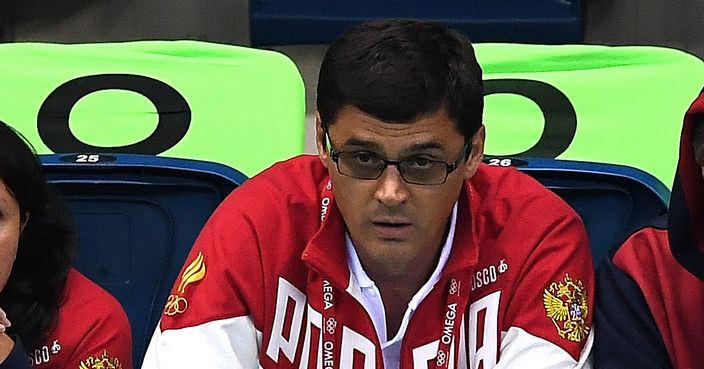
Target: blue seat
point(285, 22)
point(611, 199)
point(137, 217)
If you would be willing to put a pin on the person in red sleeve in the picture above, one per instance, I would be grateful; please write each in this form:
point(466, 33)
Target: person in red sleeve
point(394, 247)
point(51, 316)
point(651, 289)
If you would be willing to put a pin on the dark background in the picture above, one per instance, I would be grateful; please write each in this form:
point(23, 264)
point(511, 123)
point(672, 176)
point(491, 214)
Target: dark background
point(673, 23)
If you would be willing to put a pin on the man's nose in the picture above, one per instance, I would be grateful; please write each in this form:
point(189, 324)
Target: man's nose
point(391, 189)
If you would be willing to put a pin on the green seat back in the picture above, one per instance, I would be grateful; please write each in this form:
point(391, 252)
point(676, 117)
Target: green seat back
point(238, 106)
point(620, 105)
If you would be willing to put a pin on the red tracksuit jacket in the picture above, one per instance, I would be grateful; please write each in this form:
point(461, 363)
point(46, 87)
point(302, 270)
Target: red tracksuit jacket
point(267, 283)
point(651, 291)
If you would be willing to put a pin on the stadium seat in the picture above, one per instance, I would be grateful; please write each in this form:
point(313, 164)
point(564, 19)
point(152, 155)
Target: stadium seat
point(137, 218)
point(242, 107)
point(286, 22)
point(611, 199)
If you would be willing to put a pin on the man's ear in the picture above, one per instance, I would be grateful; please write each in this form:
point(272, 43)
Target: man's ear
point(476, 155)
point(320, 140)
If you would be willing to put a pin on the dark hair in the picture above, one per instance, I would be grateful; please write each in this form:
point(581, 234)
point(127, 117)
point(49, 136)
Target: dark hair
point(32, 295)
point(401, 70)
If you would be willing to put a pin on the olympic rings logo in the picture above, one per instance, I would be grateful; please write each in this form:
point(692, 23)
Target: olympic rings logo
point(440, 361)
point(175, 304)
point(330, 325)
point(454, 286)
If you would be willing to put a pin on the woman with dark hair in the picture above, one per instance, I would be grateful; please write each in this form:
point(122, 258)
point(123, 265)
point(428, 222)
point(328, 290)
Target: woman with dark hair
point(59, 318)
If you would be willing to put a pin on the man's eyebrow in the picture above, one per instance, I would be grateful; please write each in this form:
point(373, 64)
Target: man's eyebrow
point(355, 142)
point(424, 146)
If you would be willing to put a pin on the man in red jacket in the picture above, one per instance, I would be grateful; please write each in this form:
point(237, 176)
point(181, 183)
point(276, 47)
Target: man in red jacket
point(394, 247)
point(651, 289)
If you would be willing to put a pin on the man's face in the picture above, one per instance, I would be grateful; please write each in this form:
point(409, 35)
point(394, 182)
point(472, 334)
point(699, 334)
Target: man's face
point(10, 230)
point(396, 225)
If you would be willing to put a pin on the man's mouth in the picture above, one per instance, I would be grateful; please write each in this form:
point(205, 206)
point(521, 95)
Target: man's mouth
point(392, 230)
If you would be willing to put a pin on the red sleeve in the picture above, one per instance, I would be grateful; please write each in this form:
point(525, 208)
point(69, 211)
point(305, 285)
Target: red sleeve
point(553, 297)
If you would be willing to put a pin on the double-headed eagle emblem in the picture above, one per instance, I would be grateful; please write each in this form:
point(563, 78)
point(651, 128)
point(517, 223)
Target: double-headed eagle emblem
point(101, 362)
point(566, 304)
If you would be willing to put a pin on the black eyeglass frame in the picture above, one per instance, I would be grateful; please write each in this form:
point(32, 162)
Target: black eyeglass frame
point(449, 167)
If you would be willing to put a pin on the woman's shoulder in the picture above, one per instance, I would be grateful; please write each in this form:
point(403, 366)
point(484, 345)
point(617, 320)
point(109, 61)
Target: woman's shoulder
point(91, 326)
point(81, 293)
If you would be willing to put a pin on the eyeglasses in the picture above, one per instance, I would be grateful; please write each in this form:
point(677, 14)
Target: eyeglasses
point(415, 170)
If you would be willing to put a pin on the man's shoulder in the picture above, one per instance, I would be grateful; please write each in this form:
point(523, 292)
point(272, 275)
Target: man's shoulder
point(647, 259)
point(646, 250)
point(280, 206)
point(296, 178)
point(508, 187)
point(305, 165)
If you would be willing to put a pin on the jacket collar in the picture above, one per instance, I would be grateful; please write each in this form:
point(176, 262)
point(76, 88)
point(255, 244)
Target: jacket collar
point(465, 250)
point(325, 252)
